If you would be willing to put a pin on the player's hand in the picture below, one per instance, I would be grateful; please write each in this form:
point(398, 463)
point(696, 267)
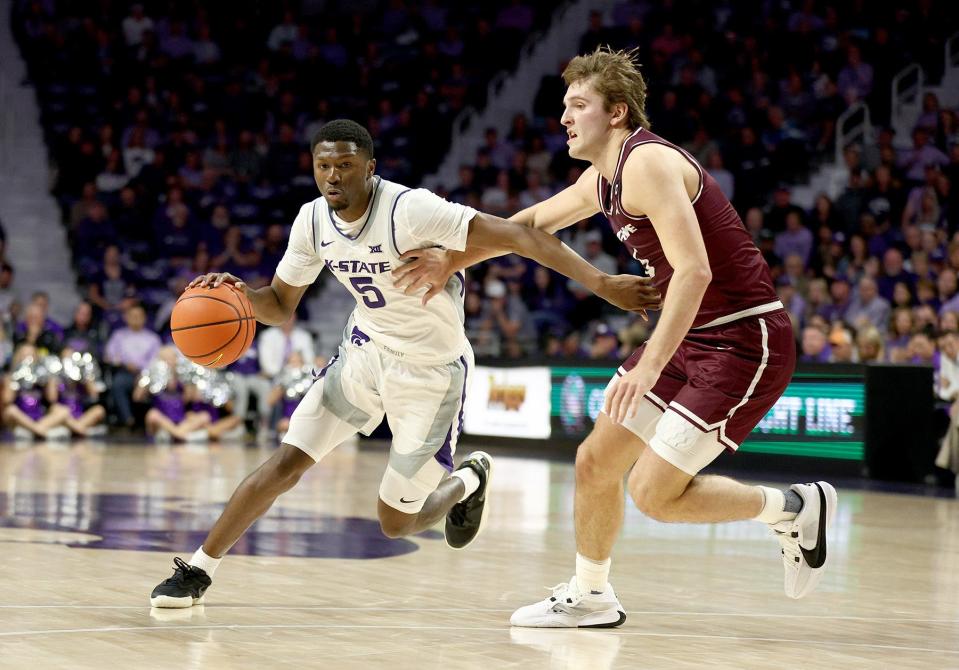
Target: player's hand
point(630, 293)
point(214, 279)
point(624, 396)
point(429, 268)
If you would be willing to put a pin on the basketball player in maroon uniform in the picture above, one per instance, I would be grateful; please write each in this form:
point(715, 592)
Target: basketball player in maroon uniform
point(719, 358)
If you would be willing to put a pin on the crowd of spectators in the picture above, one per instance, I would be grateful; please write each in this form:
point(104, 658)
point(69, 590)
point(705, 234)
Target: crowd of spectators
point(752, 91)
point(186, 129)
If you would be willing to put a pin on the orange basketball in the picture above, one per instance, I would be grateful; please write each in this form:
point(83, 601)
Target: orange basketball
point(213, 326)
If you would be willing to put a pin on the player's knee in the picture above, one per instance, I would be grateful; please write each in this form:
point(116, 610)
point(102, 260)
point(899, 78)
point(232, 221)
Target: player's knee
point(590, 465)
point(286, 467)
point(393, 530)
point(395, 527)
point(648, 498)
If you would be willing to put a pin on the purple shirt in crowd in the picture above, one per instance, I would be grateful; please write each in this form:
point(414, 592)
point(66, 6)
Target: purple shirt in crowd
point(951, 305)
point(794, 242)
point(128, 347)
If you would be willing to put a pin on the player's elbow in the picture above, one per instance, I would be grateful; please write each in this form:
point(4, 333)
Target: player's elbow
point(520, 240)
point(696, 273)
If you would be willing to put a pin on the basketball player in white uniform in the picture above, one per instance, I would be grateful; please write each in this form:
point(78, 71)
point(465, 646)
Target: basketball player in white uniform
point(399, 358)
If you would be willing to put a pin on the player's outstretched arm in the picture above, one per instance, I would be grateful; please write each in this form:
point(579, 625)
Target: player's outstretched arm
point(628, 292)
point(435, 266)
point(273, 305)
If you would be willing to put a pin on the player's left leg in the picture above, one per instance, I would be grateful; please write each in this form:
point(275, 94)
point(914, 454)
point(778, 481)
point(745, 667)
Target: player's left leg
point(424, 405)
point(451, 493)
point(800, 516)
point(715, 411)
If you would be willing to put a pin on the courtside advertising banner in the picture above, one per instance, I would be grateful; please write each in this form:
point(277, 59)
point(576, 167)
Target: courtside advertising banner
point(509, 402)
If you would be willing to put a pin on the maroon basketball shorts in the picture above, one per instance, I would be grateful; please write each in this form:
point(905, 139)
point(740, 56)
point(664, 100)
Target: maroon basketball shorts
point(715, 389)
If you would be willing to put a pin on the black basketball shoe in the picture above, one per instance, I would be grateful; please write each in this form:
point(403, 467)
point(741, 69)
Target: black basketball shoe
point(184, 589)
point(465, 519)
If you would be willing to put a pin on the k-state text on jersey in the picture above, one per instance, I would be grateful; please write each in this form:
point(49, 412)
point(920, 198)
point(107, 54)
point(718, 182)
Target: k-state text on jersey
point(355, 266)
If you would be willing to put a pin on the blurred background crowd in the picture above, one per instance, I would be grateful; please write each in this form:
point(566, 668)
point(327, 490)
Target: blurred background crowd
point(180, 138)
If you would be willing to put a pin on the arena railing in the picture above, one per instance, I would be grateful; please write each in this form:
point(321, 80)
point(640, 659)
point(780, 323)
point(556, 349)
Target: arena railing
point(854, 126)
point(6, 122)
point(952, 53)
point(906, 90)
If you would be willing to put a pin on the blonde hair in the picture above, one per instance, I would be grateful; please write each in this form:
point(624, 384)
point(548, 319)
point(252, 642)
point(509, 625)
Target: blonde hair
point(871, 336)
point(615, 76)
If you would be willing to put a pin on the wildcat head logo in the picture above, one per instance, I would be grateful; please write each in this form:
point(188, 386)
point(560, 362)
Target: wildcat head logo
point(358, 337)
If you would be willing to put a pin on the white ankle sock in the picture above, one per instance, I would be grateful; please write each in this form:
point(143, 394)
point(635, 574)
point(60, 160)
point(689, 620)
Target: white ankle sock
point(470, 480)
point(592, 575)
point(206, 563)
point(774, 506)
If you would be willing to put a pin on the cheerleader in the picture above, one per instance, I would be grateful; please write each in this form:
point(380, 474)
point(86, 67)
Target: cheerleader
point(76, 385)
point(26, 398)
point(214, 398)
point(166, 386)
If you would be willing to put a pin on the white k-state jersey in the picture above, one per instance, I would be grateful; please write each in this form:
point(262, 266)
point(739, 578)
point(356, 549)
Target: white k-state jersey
point(398, 219)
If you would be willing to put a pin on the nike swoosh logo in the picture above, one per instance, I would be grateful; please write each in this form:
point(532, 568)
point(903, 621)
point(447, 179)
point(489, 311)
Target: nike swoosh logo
point(325, 244)
point(404, 500)
point(816, 556)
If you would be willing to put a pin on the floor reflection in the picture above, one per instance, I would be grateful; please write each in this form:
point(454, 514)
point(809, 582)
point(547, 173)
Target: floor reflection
point(151, 523)
point(571, 649)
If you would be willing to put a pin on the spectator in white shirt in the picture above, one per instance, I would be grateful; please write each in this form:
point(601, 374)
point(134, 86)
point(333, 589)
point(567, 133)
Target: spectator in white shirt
point(276, 345)
point(135, 25)
point(283, 32)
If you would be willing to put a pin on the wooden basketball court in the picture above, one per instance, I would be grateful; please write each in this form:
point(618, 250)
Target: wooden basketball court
point(87, 530)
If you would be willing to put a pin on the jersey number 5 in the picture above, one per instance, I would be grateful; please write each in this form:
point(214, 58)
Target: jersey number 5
point(372, 297)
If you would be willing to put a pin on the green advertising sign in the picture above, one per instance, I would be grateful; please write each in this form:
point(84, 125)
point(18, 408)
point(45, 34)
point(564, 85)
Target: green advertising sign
point(819, 415)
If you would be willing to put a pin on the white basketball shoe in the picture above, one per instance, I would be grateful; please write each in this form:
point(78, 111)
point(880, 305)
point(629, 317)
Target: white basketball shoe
point(803, 539)
point(568, 607)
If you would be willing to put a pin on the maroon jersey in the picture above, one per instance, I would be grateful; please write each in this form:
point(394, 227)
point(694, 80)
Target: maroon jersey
point(741, 284)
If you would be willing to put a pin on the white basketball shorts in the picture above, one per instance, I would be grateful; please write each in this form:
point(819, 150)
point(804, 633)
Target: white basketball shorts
point(422, 403)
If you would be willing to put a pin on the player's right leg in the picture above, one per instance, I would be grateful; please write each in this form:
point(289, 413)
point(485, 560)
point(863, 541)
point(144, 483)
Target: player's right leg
point(588, 600)
point(316, 428)
point(252, 498)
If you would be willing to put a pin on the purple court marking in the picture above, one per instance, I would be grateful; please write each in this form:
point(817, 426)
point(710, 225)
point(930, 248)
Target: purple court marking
point(150, 523)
